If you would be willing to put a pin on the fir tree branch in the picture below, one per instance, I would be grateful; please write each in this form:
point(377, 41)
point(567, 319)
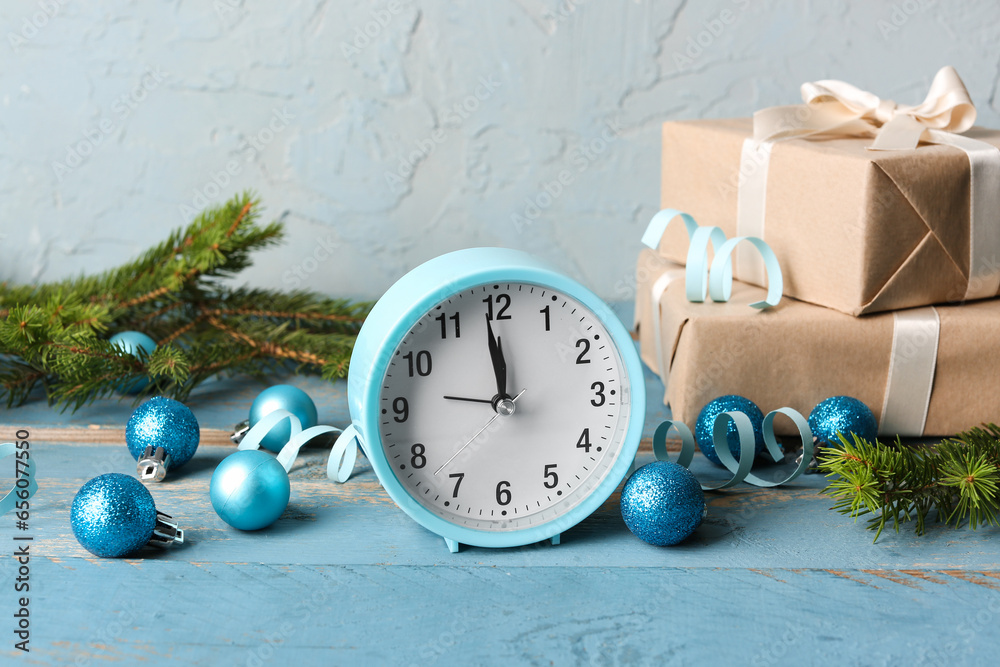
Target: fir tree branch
point(54, 335)
point(955, 482)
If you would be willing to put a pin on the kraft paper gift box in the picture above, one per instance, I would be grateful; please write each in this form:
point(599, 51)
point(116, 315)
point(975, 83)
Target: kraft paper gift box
point(857, 230)
point(945, 360)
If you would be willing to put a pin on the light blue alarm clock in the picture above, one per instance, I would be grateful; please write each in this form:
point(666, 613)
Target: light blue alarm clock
point(499, 402)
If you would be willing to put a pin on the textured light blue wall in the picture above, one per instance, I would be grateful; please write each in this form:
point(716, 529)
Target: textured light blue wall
point(430, 133)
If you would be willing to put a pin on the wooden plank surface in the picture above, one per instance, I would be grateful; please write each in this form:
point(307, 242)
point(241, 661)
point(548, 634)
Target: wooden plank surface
point(771, 577)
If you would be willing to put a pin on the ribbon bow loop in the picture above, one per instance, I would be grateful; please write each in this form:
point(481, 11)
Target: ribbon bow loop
point(837, 107)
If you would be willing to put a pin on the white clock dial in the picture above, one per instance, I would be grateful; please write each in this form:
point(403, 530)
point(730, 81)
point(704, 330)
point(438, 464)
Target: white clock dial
point(502, 463)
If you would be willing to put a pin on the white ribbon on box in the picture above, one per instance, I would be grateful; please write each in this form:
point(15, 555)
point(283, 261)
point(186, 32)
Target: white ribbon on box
point(836, 108)
point(912, 362)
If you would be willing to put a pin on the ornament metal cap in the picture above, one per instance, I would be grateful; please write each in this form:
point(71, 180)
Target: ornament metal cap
point(240, 431)
point(166, 533)
point(813, 467)
point(153, 464)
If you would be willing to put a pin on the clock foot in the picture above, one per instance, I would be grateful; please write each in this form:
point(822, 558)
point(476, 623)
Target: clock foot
point(452, 545)
point(556, 539)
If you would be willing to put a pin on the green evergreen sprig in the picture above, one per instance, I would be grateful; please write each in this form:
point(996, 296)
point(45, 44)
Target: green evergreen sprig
point(55, 335)
point(955, 481)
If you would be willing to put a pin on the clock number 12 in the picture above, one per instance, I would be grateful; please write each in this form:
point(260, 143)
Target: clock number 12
point(503, 303)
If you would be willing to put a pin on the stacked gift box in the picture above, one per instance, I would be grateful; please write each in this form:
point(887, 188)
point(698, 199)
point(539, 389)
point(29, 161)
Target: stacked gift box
point(890, 261)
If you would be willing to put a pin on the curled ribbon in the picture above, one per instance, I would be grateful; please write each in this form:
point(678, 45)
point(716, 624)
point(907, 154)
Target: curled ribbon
point(740, 470)
point(717, 280)
point(25, 472)
point(342, 457)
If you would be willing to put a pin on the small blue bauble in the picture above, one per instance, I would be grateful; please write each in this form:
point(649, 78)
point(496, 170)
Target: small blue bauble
point(842, 414)
point(706, 421)
point(163, 422)
point(282, 397)
point(250, 489)
point(113, 515)
point(131, 342)
point(662, 503)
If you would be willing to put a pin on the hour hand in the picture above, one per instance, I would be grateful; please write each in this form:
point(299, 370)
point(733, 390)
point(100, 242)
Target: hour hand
point(499, 364)
point(471, 400)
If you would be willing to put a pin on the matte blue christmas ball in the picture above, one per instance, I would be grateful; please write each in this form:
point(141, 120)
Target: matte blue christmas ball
point(250, 489)
point(662, 503)
point(282, 397)
point(113, 515)
point(163, 422)
point(132, 342)
point(706, 421)
point(842, 414)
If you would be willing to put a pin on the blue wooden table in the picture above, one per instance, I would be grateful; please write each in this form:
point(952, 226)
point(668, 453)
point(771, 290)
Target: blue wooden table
point(344, 577)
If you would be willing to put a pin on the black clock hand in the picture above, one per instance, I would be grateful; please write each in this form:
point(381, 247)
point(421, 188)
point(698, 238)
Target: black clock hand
point(472, 400)
point(499, 364)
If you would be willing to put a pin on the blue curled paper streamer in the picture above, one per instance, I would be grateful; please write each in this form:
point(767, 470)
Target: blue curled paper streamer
point(696, 266)
point(9, 500)
point(701, 278)
point(721, 282)
point(342, 458)
point(739, 469)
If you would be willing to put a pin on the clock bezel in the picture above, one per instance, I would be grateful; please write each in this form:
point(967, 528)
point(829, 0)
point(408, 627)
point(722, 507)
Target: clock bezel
point(409, 299)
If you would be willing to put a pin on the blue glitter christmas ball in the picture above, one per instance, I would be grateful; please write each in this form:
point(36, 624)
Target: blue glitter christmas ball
point(662, 503)
point(842, 414)
point(113, 515)
point(706, 421)
point(282, 397)
point(163, 422)
point(131, 342)
point(249, 489)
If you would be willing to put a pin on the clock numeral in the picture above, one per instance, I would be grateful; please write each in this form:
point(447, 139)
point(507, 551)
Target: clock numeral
point(418, 460)
point(458, 477)
point(545, 311)
point(584, 441)
point(443, 319)
point(598, 388)
point(551, 478)
point(422, 365)
point(585, 344)
point(503, 493)
point(402, 409)
point(503, 299)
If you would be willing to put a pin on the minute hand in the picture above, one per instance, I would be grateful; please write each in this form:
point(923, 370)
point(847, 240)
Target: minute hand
point(499, 364)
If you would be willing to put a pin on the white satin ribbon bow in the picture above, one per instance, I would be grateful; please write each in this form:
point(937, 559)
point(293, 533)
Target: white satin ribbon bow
point(838, 107)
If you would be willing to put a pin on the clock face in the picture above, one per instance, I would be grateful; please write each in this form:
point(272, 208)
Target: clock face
point(504, 406)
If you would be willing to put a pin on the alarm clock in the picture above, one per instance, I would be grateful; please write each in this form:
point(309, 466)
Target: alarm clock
point(499, 402)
